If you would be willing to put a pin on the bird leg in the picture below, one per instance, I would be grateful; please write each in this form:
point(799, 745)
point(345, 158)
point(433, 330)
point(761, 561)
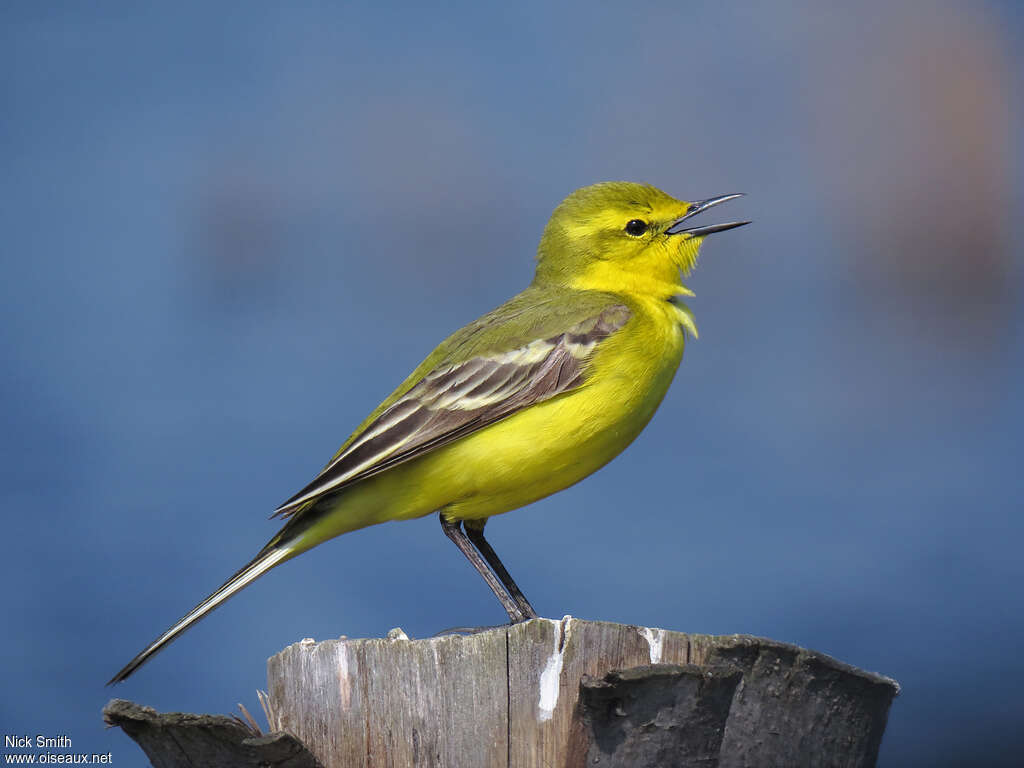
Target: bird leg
point(475, 533)
point(453, 530)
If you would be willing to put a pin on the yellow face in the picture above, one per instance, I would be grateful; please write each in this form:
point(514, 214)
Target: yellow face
point(621, 236)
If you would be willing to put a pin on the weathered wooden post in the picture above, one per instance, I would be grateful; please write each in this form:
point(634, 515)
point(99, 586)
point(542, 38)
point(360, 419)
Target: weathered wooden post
point(543, 693)
point(572, 693)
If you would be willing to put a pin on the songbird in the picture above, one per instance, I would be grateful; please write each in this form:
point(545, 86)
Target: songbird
point(523, 402)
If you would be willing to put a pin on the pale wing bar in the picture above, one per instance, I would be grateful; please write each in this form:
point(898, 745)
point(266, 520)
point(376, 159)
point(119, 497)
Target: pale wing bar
point(413, 426)
point(453, 401)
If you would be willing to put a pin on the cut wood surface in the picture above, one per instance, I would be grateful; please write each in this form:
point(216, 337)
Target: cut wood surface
point(511, 696)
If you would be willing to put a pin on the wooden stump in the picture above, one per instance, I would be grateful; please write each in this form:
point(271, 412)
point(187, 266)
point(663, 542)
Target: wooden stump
point(573, 693)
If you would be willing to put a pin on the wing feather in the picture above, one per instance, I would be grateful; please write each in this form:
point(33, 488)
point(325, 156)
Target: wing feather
point(452, 401)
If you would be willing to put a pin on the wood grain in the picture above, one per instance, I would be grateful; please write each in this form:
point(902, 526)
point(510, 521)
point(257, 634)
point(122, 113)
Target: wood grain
point(511, 696)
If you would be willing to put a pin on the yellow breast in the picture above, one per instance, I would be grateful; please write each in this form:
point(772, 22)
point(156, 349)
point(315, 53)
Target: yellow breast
point(557, 443)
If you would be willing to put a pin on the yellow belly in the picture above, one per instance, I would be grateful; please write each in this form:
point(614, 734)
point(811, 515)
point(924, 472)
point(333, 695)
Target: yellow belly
point(535, 452)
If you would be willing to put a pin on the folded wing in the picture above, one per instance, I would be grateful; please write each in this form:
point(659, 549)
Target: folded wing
point(453, 401)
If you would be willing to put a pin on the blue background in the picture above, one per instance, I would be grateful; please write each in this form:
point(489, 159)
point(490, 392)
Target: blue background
point(230, 229)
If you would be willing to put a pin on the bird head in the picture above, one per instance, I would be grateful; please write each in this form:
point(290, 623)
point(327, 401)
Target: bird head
point(621, 236)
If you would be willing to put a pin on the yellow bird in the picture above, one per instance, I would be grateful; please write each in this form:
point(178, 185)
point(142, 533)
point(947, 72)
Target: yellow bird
point(523, 402)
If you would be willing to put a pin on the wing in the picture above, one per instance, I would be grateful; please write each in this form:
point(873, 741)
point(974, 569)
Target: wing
point(456, 399)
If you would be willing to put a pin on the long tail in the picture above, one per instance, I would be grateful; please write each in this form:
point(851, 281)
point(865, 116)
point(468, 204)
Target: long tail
point(263, 562)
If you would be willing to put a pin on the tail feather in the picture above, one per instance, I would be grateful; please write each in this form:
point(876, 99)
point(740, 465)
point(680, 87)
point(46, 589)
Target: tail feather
point(259, 565)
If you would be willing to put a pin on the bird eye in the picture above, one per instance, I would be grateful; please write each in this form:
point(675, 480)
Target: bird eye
point(636, 227)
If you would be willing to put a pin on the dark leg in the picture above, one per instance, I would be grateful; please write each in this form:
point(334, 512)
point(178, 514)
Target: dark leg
point(453, 530)
point(475, 532)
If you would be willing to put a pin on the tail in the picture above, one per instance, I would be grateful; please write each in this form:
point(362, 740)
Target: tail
point(270, 556)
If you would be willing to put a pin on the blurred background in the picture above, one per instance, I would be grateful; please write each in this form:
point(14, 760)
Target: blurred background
point(229, 230)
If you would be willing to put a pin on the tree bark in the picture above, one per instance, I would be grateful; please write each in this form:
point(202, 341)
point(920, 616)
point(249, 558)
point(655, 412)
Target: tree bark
point(179, 740)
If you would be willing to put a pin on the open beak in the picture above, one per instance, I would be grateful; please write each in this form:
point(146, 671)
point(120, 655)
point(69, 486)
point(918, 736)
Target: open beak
point(677, 228)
